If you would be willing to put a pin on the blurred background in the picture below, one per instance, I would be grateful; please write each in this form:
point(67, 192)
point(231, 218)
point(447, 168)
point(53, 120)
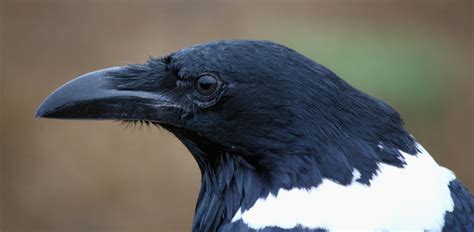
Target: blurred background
point(98, 176)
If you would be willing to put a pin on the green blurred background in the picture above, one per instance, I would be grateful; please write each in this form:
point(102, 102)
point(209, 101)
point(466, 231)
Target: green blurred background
point(97, 176)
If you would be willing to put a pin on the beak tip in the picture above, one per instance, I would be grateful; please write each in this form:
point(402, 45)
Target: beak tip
point(48, 107)
point(41, 112)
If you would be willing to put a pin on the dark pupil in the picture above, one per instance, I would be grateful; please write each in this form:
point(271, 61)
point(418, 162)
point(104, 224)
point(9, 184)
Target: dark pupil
point(206, 85)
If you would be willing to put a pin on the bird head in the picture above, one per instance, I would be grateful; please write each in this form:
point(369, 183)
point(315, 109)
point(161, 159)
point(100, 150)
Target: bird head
point(263, 103)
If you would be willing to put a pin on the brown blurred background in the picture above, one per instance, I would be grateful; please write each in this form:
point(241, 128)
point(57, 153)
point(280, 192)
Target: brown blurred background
point(98, 176)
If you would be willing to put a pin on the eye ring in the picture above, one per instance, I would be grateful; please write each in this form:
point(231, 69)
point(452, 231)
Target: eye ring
point(206, 84)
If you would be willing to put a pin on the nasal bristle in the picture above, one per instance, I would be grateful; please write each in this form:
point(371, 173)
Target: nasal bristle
point(134, 124)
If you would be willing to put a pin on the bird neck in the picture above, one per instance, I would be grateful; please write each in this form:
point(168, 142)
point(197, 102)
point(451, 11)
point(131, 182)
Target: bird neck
point(234, 179)
point(228, 182)
point(233, 182)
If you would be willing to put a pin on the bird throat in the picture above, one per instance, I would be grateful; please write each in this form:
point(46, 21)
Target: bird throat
point(233, 182)
point(227, 186)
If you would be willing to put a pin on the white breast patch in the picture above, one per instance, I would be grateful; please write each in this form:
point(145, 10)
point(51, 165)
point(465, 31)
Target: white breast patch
point(414, 198)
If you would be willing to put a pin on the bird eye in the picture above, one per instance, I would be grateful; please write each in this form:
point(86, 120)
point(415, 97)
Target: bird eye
point(206, 85)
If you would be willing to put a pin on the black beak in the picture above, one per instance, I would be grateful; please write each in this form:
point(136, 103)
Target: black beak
point(92, 96)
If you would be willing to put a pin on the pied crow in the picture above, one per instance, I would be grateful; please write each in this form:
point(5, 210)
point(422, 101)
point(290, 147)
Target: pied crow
point(283, 143)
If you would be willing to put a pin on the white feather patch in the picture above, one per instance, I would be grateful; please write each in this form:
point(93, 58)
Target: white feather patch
point(413, 198)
